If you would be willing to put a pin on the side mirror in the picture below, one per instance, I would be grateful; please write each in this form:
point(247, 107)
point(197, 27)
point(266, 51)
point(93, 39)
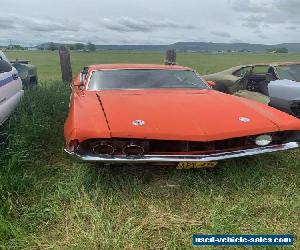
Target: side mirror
point(5, 66)
point(78, 82)
point(82, 77)
point(211, 83)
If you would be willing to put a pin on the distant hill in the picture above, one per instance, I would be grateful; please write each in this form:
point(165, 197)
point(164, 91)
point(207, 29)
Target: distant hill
point(197, 47)
point(204, 47)
point(46, 45)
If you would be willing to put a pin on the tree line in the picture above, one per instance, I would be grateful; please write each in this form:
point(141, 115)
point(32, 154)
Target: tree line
point(278, 50)
point(76, 46)
point(55, 46)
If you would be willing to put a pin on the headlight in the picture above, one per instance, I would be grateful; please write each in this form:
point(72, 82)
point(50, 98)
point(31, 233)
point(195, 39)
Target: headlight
point(263, 140)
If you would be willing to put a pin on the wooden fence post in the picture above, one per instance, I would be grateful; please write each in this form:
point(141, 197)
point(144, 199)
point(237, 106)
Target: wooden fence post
point(65, 64)
point(170, 57)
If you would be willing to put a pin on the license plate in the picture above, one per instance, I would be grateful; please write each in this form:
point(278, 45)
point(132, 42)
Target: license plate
point(190, 165)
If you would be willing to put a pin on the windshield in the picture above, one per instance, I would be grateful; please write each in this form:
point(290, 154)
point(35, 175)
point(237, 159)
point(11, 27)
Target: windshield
point(290, 72)
point(145, 79)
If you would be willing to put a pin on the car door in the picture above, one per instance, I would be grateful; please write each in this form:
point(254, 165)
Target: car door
point(10, 88)
point(229, 81)
point(239, 78)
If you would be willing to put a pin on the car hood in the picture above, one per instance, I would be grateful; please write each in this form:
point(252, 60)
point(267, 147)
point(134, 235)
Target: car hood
point(196, 115)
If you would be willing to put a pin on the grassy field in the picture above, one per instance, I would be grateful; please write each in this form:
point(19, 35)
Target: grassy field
point(48, 201)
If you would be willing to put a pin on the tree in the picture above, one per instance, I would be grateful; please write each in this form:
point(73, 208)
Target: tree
point(91, 47)
point(15, 47)
point(282, 50)
point(278, 50)
point(71, 47)
point(79, 46)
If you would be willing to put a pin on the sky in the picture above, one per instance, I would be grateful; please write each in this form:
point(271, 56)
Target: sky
point(32, 22)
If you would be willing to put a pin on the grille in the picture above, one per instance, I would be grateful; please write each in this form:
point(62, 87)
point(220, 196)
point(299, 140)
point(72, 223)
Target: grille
point(164, 147)
point(190, 147)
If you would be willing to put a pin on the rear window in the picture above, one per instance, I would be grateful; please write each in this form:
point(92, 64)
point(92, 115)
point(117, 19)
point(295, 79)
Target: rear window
point(145, 79)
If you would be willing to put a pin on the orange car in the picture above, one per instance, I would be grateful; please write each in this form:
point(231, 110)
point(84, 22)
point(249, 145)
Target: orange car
point(135, 113)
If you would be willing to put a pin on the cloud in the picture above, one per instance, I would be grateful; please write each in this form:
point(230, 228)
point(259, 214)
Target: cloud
point(127, 24)
point(5, 24)
point(150, 22)
point(50, 25)
point(263, 36)
point(221, 34)
point(36, 24)
point(267, 12)
point(251, 6)
point(290, 7)
point(45, 29)
point(293, 28)
point(107, 31)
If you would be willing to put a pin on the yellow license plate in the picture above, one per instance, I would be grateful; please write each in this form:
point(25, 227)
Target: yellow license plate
point(190, 165)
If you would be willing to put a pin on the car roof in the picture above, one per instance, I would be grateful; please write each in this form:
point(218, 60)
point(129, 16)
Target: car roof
point(137, 66)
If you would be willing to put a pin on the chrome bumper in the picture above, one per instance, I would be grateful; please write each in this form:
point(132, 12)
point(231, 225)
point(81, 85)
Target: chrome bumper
point(185, 158)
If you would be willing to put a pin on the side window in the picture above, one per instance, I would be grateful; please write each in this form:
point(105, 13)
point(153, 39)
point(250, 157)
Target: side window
point(5, 66)
point(243, 71)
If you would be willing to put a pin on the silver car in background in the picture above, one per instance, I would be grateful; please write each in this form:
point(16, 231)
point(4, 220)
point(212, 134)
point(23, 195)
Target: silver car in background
point(274, 84)
point(285, 95)
point(11, 89)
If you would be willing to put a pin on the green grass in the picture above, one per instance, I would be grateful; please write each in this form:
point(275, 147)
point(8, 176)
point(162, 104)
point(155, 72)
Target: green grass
point(48, 201)
point(49, 68)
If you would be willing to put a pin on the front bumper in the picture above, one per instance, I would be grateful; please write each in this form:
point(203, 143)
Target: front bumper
point(185, 158)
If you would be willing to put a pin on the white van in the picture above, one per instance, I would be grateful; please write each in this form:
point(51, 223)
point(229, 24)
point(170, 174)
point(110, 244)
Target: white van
point(10, 88)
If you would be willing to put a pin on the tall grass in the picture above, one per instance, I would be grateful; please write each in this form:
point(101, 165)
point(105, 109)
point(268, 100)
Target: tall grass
point(33, 145)
point(50, 201)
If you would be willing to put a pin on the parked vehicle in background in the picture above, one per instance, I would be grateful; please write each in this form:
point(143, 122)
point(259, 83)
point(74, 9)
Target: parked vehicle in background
point(275, 84)
point(285, 95)
point(10, 88)
point(27, 72)
point(167, 114)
